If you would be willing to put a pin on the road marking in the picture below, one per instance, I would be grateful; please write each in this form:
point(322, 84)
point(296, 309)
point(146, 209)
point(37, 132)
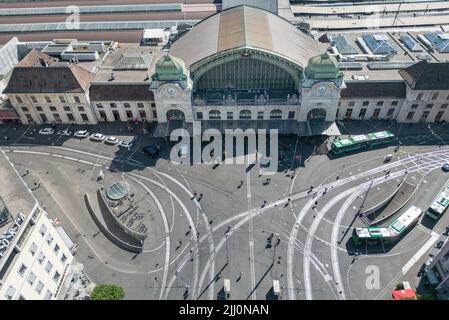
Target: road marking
point(433, 238)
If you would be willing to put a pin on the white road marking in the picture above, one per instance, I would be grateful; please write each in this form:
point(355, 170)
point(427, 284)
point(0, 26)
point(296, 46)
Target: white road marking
point(433, 238)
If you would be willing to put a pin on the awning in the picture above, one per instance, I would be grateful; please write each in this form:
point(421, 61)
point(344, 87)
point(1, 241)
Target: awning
point(8, 115)
point(404, 294)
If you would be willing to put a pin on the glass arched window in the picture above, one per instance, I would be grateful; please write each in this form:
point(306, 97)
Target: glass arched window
point(245, 114)
point(276, 114)
point(214, 115)
point(175, 115)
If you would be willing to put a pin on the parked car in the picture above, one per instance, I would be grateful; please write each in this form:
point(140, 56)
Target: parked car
point(82, 134)
point(388, 158)
point(111, 140)
point(65, 132)
point(446, 166)
point(98, 137)
point(152, 150)
point(126, 143)
point(47, 131)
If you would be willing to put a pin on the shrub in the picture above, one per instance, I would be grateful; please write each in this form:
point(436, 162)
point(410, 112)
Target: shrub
point(108, 292)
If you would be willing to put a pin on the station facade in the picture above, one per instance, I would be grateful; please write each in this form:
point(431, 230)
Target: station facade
point(240, 68)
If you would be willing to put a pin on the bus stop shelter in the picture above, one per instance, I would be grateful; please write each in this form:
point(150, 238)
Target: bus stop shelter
point(403, 294)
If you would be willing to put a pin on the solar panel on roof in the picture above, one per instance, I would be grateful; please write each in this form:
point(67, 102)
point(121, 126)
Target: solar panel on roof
point(438, 41)
point(343, 46)
point(378, 47)
point(411, 44)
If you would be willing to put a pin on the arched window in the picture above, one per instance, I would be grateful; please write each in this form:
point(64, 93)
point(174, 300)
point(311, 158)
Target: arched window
point(245, 114)
point(214, 115)
point(175, 115)
point(276, 114)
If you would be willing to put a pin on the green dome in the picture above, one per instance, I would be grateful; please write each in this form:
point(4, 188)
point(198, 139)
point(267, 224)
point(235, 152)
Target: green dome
point(169, 68)
point(323, 67)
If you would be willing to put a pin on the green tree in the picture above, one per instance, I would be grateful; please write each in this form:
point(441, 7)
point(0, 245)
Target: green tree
point(108, 292)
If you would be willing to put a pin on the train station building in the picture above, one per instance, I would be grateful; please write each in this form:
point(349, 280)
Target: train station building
point(243, 67)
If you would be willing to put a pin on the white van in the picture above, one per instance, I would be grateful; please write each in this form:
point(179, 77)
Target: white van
point(227, 288)
point(276, 289)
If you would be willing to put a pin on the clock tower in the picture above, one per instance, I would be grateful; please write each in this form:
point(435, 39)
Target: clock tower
point(172, 89)
point(320, 86)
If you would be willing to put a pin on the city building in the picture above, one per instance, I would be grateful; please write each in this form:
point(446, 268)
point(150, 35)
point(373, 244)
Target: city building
point(243, 67)
point(35, 252)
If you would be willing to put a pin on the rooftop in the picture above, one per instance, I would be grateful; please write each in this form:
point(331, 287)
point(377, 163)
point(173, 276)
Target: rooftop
point(241, 27)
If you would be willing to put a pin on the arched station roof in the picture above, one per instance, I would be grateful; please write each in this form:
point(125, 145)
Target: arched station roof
point(244, 27)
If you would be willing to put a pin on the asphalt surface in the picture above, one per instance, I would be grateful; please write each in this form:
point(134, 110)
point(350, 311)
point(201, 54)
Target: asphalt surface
point(224, 233)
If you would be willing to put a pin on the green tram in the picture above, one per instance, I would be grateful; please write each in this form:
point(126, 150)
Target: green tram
point(359, 142)
point(392, 233)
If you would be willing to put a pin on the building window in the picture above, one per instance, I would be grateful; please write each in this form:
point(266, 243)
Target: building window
point(113, 105)
point(84, 117)
point(394, 103)
point(410, 115)
point(49, 239)
point(348, 113)
point(199, 115)
point(23, 268)
point(41, 258)
point(33, 98)
point(444, 106)
point(390, 112)
point(351, 103)
point(230, 115)
point(29, 117)
point(43, 117)
point(414, 106)
point(339, 103)
point(362, 113)
point(276, 114)
point(9, 294)
point(425, 114)
point(379, 103)
point(48, 295)
point(143, 114)
point(365, 103)
point(291, 114)
point(154, 114)
point(214, 115)
point(435, 96)
point(99, 106)
point(62, 99)
point(80, 108)
point(53, 109)
point(245, 115)
point(153, 105)
point(70, 117)
point(56, 249)
point(439, 116)
point(429, 106)
point(66, 108)
point(129, 114)
point(63, 258)
point(39, 287)
point(24, 109)
point(260, 115)
point(77, 99)
point(39, 108)
point(33, 249)
point(31, 278)
point(48, 266)
point(140, 105)
point(19, 99)
point(419, 96)
point(127, 105)
point(57, 276)
point(47, 98)
point(43, 230)
point(376, 113)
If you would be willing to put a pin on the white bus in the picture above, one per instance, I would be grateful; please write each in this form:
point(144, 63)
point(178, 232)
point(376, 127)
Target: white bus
point(439, 206)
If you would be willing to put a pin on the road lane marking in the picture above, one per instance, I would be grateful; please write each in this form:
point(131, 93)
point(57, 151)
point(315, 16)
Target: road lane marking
point(433, 238)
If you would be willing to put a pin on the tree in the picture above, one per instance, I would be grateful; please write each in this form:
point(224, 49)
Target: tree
point(108, 292)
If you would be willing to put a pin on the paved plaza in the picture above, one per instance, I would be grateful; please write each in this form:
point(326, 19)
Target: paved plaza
point(210, 223)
